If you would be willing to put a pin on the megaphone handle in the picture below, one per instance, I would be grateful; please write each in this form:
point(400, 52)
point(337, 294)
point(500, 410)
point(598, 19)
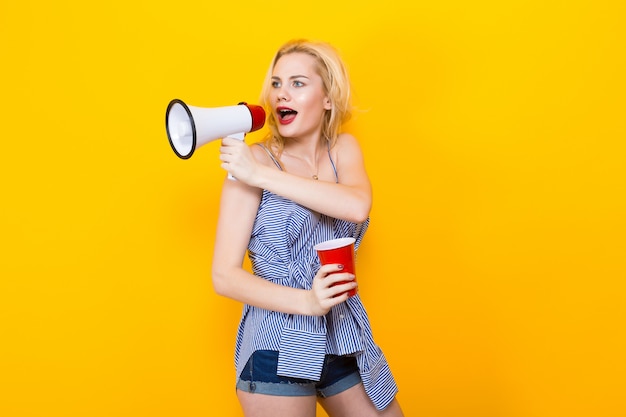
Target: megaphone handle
point(239, 136)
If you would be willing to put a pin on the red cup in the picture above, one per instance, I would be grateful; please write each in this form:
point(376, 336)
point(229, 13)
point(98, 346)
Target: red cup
point(338, 251)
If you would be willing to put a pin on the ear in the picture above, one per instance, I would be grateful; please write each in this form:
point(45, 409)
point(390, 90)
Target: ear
point(327, 104)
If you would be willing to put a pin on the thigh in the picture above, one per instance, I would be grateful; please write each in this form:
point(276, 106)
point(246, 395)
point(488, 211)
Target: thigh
point(261, 405)
point(354, 402)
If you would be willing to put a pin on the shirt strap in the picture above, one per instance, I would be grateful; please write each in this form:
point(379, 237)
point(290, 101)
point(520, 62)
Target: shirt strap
point(271, 155)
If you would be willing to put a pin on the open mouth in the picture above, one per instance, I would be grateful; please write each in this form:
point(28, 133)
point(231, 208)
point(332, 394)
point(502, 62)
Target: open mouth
point(285, 114)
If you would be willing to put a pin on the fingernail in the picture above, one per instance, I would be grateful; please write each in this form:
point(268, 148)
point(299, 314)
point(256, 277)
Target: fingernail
point(340, 266)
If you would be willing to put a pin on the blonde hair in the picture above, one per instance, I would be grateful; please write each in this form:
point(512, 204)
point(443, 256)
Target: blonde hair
point(335, 83)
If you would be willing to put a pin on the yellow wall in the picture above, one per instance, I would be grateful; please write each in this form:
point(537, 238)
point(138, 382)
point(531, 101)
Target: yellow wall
point(494, 267)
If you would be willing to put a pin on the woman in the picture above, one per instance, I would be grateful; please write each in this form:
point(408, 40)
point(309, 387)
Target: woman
point(301, 339)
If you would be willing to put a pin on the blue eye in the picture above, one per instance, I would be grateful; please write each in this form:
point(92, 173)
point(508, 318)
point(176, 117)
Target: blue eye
point(275, 84)
point(298, 84)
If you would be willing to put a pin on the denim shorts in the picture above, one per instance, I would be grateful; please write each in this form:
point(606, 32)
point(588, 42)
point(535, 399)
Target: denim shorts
point(259, 376)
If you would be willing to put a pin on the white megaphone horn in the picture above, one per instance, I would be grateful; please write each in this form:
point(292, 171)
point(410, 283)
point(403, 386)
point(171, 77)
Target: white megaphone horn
point(190, 127)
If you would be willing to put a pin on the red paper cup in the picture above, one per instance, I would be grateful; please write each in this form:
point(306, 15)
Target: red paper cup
point(338, 251)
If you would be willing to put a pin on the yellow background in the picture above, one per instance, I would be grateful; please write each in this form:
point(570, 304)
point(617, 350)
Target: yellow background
point(494, 135)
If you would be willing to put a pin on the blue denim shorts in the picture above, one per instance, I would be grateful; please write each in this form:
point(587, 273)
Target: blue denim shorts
point(259, 376)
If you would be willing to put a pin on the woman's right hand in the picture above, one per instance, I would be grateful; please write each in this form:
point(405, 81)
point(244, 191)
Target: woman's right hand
point(330, 287)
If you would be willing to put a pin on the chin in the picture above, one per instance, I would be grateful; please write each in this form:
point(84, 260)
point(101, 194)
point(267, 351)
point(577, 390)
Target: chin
point(286, 133)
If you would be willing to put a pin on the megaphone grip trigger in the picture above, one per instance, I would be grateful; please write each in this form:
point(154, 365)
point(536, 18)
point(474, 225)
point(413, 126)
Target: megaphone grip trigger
point(239, 135)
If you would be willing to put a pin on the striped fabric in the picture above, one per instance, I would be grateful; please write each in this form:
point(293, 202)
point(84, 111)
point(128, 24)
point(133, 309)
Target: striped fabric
point(281, 251)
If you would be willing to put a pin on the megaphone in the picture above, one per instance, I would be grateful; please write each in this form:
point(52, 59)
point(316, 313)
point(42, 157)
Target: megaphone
point(190, 127)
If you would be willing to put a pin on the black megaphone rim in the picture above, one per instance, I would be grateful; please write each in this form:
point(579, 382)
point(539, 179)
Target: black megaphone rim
point(193, 128)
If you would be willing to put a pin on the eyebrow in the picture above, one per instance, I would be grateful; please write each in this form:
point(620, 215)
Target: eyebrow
point(293, 77)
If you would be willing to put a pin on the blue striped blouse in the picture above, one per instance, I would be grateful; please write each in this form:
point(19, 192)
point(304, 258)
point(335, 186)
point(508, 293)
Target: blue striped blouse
point(281, 251)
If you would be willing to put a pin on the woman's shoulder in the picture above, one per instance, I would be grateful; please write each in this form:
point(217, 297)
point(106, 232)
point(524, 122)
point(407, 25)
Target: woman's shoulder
point(347, 142)
point(262, 153)
point(346, 145)
point(346, 138)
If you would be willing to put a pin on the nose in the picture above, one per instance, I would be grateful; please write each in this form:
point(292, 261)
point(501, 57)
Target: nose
point(282, 95)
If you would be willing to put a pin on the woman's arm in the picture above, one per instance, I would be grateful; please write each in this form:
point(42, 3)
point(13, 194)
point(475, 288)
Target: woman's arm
point(350, 199)
point(238, 208)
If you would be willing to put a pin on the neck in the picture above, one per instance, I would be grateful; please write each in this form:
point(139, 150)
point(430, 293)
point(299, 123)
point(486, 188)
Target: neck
point(307, 152)
point(309, 156)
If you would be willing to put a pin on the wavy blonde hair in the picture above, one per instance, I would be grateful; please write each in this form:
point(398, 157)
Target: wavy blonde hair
point(335, 82)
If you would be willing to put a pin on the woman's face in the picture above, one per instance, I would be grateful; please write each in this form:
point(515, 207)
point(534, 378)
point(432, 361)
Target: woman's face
point(297, 96)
